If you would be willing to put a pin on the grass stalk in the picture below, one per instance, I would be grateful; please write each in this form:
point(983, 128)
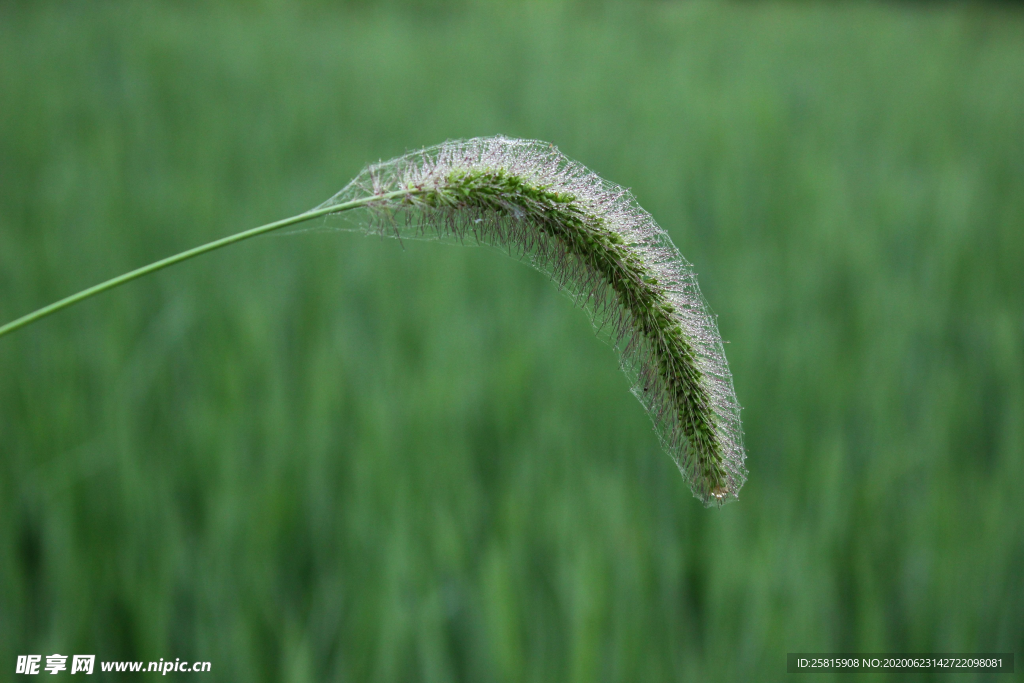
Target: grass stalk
point(66, 302)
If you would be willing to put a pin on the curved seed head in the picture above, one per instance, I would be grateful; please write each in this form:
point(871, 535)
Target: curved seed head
point(592, 238)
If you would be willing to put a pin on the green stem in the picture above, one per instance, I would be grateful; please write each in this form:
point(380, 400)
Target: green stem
point(191, 253)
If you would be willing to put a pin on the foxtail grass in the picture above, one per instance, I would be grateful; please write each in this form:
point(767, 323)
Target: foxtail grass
point(594, 240)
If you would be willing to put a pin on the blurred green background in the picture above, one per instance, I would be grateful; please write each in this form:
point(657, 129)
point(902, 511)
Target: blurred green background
point(323, 457)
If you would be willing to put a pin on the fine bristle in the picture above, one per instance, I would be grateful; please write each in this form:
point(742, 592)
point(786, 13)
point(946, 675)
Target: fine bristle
point(592, 238)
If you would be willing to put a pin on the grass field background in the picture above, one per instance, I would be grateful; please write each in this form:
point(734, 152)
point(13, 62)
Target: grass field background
point(325, 457)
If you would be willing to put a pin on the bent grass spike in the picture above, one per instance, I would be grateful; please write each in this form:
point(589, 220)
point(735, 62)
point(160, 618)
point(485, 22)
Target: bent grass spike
point(594, 240)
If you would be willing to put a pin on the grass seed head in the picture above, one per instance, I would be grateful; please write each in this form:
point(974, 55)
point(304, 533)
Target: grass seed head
point(593, 239)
